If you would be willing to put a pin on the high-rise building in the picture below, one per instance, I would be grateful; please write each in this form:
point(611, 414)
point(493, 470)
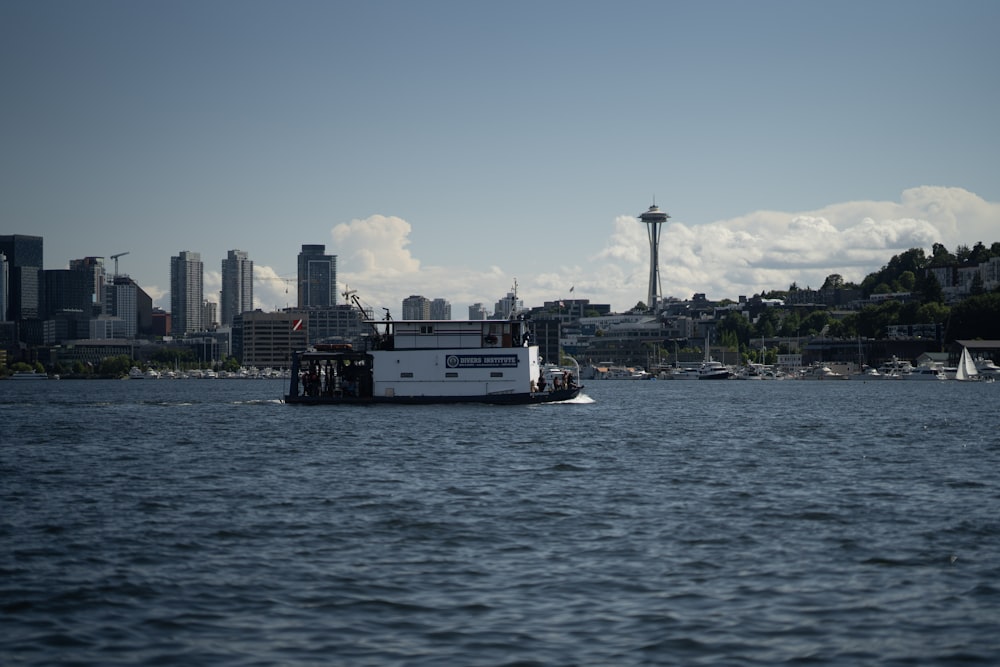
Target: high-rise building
point(237, 286)
point(477, 311)
point(66, 290)
point(317, 277)
point(416, 307)
point(125, 300)
point(94, 266)
point(4, 281)
point(24, 266)
point(209, 315)
point(186, 293)
point(440, 309)
point(507, 305)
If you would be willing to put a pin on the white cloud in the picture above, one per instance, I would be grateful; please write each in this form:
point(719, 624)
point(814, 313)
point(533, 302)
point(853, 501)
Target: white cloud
point(767, 250)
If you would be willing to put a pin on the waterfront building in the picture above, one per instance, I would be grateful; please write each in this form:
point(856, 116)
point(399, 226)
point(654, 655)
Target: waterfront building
point(335, 324)
point(186, 293)
point(237, 286)
point(268, 339)
point(317, 277)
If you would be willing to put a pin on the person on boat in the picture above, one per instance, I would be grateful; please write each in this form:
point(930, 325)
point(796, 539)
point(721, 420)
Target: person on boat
point(568, 381)
point(556, 382)
point(541, 382)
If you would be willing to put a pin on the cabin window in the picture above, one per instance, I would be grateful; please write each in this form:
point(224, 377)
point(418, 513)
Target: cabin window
point(426, 328)
point(496, 374)
point(406, 375)
point(451, 375)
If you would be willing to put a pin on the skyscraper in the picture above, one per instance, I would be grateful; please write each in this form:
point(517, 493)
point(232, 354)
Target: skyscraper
point(186, 293)
point(94, 266)
point(4, 281)
point(317, 277)
point(416, 307)
point(440, 309)
point(24, 266)
point(237, 286)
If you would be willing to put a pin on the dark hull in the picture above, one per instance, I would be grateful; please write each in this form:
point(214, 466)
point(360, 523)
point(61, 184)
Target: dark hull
point(493, 399)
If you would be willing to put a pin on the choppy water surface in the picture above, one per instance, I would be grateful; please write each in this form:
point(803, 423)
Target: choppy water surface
point(651, 523)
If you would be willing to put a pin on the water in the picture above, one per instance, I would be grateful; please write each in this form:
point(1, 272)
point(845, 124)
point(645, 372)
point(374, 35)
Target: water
point(650, 523)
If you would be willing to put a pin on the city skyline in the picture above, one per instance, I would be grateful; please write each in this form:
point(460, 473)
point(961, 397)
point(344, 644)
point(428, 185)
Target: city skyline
point(453, 148)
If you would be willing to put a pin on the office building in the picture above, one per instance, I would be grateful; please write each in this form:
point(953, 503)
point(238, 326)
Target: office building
point(440, 309)
point(265, 340)
point(4, 281)
point(416, 308)
point(94, 267)
point(237, 286)
point(317, 277)
point(186, 293)
point(24, 266)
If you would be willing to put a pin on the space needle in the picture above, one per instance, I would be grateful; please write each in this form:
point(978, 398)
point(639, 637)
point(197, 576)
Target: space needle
point(654, 219)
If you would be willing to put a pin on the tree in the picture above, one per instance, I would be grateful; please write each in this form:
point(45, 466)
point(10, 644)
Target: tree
point(975, 317)
point(976, 287)
point(932, 292)
point(907, 281)
point(833, 281)
point(979, 253)
point(941, 257)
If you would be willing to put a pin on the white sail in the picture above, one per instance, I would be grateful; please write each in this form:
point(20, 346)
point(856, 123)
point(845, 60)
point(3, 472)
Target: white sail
point(966, 367)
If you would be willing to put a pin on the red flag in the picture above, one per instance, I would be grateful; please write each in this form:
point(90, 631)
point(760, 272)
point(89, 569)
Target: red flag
point(296, 325)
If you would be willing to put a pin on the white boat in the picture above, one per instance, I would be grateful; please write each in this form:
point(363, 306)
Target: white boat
point(135, 374)
point(966, 369)
point(713, 370)
point(987, 369)
point(428, 361)
point(868, 373)
point(821, 372)
point(895, 369)
point(926, 372)
point(151, 374)
point(684, 374)
point(28, 375)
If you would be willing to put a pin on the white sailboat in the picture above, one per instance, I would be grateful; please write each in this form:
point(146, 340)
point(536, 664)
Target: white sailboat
point(966, 367)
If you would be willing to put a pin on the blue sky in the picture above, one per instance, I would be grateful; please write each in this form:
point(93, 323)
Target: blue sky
point(449, 148)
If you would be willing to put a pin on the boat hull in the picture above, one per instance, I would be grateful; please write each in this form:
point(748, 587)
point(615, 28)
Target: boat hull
point(555, 396)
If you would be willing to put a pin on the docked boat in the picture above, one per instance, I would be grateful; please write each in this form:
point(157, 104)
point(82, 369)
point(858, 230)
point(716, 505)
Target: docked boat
point(986, 369)
point(821, 372)
point(430, 361)
point(28, 375)
point(927, 372)
point(713, 370)
point(895, 369)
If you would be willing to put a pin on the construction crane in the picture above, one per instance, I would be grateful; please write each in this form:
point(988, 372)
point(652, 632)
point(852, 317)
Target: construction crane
point(115, 257)
point(347, 293)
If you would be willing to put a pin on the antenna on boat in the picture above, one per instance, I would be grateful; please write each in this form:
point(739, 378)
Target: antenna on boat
point(513, 302)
